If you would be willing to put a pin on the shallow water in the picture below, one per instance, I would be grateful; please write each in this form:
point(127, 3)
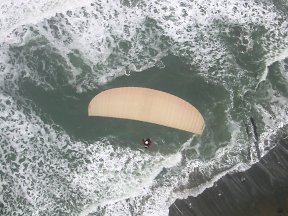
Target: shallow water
point(228, 59)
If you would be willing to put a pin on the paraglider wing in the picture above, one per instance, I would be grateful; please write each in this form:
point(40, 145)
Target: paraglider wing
point(147, 105)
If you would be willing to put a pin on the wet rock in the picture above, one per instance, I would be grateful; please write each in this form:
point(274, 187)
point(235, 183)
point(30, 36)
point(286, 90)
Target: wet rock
point(262, 190)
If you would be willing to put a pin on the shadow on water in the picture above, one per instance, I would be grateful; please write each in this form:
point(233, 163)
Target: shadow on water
point(69, 109)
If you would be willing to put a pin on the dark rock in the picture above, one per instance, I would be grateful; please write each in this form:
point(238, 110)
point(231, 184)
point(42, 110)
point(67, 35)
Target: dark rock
point(262, 190)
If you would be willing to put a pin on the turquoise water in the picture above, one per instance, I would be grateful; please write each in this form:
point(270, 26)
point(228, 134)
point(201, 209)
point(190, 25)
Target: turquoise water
point(228, 59)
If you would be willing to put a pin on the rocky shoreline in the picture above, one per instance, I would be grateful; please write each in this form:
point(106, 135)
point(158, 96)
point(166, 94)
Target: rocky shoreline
point(261, 190)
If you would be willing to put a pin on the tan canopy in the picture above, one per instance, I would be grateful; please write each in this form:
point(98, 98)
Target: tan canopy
point(147, 105)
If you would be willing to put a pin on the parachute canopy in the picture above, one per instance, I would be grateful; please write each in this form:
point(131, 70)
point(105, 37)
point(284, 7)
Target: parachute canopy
point(147, 105)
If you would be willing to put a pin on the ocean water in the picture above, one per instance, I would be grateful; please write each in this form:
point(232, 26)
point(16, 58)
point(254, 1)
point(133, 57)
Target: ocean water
point(227, 58)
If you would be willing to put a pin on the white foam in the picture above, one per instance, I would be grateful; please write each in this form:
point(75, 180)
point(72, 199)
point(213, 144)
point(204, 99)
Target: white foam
point(275, 58)
point(41, 154)
point(275, 115)
point(16, 13)
point(135, 187)
point(165, 189)
point(97, 28)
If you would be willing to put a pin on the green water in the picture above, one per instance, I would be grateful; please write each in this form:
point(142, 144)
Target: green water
point(68, 109)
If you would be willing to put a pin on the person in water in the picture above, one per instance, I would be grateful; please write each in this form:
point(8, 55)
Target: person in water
point(146, 142)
